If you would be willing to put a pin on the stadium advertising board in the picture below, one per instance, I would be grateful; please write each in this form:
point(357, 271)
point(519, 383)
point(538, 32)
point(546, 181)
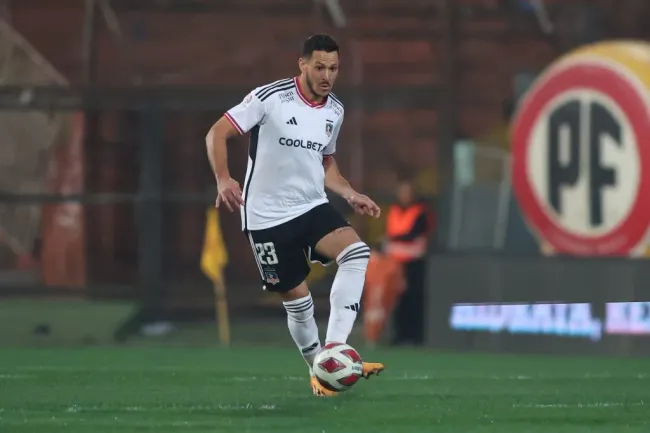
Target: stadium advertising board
point(580, 161)
point(577, 320)
point(539, 305)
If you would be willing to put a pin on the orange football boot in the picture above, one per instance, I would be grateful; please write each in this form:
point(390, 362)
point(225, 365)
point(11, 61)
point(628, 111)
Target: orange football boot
point(370, 368)
point(319, 390)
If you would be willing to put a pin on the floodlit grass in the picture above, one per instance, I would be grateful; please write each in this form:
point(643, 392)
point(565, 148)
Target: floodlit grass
point(266, 390)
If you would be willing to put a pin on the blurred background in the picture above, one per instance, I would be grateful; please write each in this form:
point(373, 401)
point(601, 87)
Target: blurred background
point(105, 188)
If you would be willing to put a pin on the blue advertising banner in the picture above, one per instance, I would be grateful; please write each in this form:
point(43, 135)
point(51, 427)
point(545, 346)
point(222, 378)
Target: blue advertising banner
point(539, 305)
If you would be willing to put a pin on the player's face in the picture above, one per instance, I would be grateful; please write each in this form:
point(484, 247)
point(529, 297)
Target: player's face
point(320, 71)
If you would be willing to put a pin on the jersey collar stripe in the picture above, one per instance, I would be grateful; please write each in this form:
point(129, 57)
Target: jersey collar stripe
point(234, 123)
point(304, 97)
point(264, 90)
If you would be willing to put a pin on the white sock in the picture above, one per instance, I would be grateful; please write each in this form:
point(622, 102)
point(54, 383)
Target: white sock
point(345, 298)
point(303, 329)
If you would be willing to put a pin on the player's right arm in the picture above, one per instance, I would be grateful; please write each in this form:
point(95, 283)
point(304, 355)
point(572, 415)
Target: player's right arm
point(236, 121)
point(229, 191)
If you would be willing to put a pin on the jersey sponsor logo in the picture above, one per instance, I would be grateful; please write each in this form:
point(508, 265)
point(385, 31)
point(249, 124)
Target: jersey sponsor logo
point(581, 171)
point(329, 127)
point(303, 144)
point(337, 109)
point(247, 99)
point(286, 97)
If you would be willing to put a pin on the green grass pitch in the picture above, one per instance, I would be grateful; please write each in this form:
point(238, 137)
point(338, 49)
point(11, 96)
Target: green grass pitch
point(258, 389)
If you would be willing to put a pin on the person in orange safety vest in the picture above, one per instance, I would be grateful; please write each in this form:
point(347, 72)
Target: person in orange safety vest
point(408, 225)
point(383, 287)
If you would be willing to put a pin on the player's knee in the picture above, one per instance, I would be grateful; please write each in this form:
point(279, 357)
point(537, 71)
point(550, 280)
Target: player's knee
point(354, 257)
point(301, 309)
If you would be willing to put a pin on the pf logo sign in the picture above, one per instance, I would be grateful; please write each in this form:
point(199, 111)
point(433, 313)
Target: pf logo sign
point(581, 151)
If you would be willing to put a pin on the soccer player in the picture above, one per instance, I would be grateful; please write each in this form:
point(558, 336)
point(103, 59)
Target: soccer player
point(294, 124)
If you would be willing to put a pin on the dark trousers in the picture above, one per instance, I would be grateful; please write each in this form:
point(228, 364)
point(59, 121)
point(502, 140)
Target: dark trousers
point(409, 313)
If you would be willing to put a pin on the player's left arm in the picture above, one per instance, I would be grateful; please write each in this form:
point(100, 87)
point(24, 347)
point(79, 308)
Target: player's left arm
point(336, 183)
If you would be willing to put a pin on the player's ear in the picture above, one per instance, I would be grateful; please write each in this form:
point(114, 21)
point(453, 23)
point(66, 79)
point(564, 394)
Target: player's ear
point(302, 64)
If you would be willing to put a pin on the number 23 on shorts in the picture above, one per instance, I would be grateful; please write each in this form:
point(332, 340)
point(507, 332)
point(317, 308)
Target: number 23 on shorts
point(266, 253)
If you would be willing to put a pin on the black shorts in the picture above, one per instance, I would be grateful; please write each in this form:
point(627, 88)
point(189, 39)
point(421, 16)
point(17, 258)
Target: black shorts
point(282, 252)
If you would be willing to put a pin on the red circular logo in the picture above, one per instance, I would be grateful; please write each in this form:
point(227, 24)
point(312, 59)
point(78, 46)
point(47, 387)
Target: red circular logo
point(580, 166)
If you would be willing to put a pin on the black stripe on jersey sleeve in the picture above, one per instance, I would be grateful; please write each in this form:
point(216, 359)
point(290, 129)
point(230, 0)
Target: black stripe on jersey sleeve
point(273, 84)
point(252, 154)
point(260, 93)
point(274, 91)
point(335, 99)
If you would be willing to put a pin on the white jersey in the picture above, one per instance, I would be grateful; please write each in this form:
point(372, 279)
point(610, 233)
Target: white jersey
point(289, 137)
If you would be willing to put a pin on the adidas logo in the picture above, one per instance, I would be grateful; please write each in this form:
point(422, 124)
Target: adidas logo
point(354, 307)
point(310, 348)
point(292, 121)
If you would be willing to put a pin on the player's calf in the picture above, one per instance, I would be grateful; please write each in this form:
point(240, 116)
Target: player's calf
point(302, 327)
point(345, 297)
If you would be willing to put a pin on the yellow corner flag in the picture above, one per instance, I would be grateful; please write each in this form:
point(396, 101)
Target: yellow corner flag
point(214, 259)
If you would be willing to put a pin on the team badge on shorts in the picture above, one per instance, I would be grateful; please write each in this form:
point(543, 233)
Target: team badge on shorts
point(271, 277)
point(329, 127)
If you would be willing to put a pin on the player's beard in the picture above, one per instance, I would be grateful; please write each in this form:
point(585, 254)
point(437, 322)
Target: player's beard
point(312, 89)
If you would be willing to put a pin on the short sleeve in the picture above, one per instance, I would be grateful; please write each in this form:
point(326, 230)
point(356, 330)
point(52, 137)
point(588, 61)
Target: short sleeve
point(248, 113)
point(330, 149)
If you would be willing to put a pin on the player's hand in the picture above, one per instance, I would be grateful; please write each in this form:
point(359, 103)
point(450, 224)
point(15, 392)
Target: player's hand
point(363, 205)
point(229, 194)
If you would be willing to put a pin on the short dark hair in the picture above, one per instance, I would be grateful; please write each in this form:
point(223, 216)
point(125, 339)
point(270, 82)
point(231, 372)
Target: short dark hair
point(319, 42)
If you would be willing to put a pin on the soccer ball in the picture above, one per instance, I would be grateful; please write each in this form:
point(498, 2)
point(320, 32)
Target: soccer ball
point(338, 366)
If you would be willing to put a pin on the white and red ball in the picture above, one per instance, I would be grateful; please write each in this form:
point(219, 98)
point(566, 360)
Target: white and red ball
point(338, 366)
